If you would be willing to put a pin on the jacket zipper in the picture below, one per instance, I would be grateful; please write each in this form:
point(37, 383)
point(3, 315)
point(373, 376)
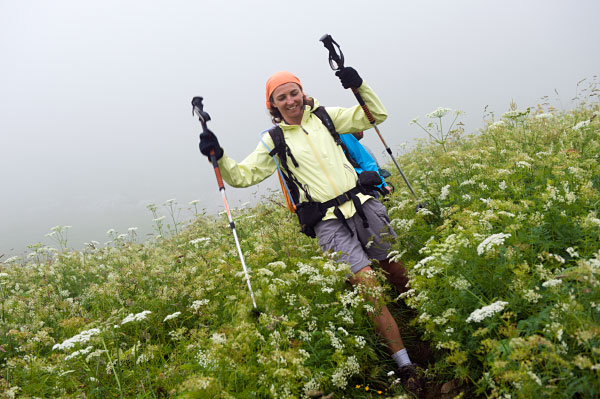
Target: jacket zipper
point(335, 189)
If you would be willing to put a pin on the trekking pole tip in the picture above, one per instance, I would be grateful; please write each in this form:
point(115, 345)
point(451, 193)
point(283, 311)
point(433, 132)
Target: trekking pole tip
point(256, 312)
point(422, 205)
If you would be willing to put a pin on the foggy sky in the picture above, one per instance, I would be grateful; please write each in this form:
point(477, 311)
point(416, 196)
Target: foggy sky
point(95, 115)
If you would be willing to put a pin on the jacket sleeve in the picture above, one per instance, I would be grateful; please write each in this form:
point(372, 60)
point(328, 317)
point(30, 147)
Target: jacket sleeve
point(353, 119)
point(255, 168)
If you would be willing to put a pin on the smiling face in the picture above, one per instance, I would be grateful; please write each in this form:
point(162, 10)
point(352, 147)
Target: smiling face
point(289, 100)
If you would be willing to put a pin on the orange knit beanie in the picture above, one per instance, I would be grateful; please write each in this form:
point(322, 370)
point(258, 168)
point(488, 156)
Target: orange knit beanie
point(276, 80)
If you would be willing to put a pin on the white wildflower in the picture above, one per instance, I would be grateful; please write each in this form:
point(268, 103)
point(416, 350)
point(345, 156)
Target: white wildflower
point(136, 317)
point(202, 240)
point(360, 341)
point(368, 308)
point(502, 185)
point(424, 212)
point(194, 202)
point(591, 220)
point(11, 393)
point(531, 296)
point(468, 182)
point(335, 341)
point(571, 251)
point(535, 378)
point(196, 305)
point(581, 125)
point(96, 353)
point(423, 262)
point(218, 338)
point(558, 258)
point(523, 164)
point(478, 315)
point(514, 114)
point(110, 232)
point(278, 264)
point(264, 272)
point(204, 359)
point(144, 358)
point(83, 336)
point(438, 113)
point(158, 219)
point(544, 116)
point(424, 317)
point(504, 213)
point(543, 154)
point(497, 125)
point(79, 352)
point(349, 368)
point(551, 283)
point(170, 201)
point(12, 259)
point(491, 241)
point(459, 282)
point(172, 316)
point(445, 192)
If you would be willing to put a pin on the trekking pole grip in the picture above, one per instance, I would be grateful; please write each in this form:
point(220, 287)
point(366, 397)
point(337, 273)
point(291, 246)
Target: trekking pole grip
point(336, 61)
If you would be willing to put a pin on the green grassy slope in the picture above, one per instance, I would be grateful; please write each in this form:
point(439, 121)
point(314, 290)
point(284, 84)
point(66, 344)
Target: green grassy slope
point(504, 265)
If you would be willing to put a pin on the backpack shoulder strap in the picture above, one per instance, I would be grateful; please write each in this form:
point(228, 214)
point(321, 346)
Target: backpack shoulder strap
point(282, 150)
point(280, 147)
point(278, 141)
point(322, 114)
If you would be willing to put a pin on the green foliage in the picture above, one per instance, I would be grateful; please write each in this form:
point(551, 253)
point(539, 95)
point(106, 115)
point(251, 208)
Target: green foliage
point(505, 261)
point(504, 266)
point(173, 317)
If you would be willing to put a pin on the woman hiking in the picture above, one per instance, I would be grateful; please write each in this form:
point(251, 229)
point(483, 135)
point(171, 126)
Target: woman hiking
point(331, 207)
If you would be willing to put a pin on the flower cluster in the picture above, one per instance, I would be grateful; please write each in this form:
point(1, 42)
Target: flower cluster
point(82, 337)
point(135, 317)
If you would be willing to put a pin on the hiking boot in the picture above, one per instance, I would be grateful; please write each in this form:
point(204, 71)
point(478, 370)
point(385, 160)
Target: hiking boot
point(411, 381)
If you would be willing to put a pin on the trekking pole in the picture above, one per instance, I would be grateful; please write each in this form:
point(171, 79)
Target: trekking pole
point(198, 109)
point(336, 61)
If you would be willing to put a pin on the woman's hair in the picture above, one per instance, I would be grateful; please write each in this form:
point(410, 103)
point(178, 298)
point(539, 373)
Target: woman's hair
point(276, 115)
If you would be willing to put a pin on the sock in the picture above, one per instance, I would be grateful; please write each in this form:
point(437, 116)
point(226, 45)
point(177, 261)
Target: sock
point(401, 358)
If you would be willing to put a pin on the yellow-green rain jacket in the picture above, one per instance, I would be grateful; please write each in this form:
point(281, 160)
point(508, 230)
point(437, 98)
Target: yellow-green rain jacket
point(323, 168)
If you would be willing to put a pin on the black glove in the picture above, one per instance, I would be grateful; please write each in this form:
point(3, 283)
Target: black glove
point(208, 143)
point(349, 78)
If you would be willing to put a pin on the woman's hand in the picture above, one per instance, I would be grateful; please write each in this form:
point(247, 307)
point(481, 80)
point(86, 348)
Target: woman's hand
point(209, 143)
point(349, 77)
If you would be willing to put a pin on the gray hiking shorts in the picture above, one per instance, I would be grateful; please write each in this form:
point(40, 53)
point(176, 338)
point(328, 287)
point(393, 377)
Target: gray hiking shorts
point(365, 244)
